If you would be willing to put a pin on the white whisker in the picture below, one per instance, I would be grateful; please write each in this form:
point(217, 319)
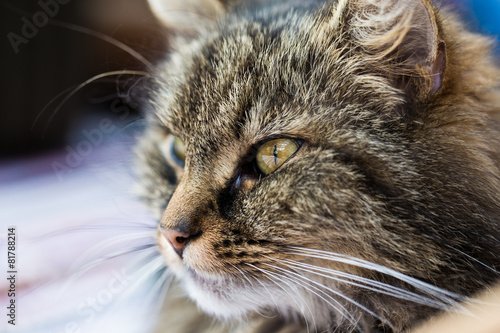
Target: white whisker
point(161, 284)
point(81, 85)
point(475, 260)
point(339, 307)
point(242, 274)
point(65, 91)
point(303, 278)
point(101, 252)
point(251, 285)
point(366, 283)
point(89, 32)
point(447, 297)
point(76, 271)
point(270, 294)
point(146, 271)
point(291, 297)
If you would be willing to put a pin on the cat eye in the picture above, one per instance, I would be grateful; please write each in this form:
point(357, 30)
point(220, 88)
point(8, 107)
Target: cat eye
point(178, 150)
point(272, 154)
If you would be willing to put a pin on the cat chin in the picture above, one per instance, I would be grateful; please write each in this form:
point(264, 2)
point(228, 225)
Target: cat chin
point(229, 301)
point(221, 299)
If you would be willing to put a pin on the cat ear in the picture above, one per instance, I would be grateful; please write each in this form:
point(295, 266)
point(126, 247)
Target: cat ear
point(403, 36)
point(186, 17)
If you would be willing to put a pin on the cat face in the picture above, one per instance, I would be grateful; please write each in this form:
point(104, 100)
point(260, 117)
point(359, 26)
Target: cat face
point(307, 161)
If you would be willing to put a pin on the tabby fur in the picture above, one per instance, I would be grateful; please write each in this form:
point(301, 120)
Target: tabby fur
point(396, 106)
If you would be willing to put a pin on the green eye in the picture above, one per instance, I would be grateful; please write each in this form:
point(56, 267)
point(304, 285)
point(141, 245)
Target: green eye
point(272, 154)
point(179, 150)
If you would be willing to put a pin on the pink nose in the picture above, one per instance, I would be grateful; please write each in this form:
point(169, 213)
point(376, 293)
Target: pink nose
point(178, 240)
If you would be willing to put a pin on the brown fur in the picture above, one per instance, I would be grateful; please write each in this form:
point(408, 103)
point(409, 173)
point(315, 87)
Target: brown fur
point(395, 106)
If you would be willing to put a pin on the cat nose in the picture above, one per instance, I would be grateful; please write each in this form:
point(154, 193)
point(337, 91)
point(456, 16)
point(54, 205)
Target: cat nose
point(178, 239)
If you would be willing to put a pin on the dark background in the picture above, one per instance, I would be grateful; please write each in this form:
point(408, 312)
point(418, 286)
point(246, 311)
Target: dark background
point(57, 59)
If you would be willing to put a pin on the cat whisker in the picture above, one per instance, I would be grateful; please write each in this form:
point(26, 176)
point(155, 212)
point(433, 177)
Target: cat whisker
point(301, 284)
point(147, 271)
point(247, 279)
point(319, 287)
point(475, 260)
point(242, 274)
point(76, 271)
point(124, 128)
point(124, 47)
point(101, 254)
point(140, 277)
point(270, 294)
point(135, 277)
point(165, 280)
point(101, 250)
point(143, 228)
point(250, 283)
point(276, 280)
point(88, 32)
point(72, 274)
point(79, 87)
point(154, 301)
point(365, 283)
point(449, 298)
point(65, 91)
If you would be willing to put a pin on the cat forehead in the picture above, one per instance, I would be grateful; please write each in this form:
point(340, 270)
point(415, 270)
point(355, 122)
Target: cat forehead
point(220, 82)
point(258, 79)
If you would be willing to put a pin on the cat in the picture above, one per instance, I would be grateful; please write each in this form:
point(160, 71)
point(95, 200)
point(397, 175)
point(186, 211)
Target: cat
point(321, 166)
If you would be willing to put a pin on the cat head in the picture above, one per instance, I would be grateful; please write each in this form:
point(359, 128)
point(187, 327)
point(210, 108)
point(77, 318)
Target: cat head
point(324, 160)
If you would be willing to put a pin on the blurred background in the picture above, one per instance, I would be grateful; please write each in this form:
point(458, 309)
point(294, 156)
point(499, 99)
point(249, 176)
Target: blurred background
point(85, 252)
point(40, 60)
point(65, 161)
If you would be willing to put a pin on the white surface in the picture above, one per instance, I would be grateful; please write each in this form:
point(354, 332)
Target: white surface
point(64, 225)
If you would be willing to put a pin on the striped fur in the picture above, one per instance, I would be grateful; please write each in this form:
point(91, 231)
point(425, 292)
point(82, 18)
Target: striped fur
point(389, 211)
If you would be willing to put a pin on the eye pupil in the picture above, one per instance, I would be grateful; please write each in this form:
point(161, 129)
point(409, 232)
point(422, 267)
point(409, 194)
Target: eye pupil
point(272, 154)
point(275, 153)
